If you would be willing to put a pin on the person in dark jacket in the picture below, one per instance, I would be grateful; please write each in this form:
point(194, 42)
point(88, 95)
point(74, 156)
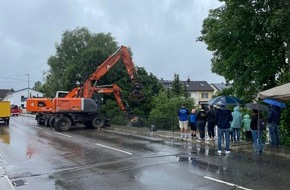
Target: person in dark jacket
point(211, 122)
point(257, 131)
point(274, 115)
point(223, 118)
point(201, 122)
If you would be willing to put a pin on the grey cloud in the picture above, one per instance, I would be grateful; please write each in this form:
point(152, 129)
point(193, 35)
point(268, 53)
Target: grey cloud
point(161, 34)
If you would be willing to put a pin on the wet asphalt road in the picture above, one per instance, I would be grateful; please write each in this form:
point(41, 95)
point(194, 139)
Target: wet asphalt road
point(98, 159)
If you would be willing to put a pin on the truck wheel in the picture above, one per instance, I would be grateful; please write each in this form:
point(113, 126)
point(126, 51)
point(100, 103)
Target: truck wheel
point(51, 122)
point(63, 123)
point(39, 122)
point(46, 123)
point(98, 122)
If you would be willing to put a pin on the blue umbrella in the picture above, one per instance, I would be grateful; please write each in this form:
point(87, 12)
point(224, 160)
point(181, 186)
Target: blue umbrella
point(274, 102)
point(225, 101)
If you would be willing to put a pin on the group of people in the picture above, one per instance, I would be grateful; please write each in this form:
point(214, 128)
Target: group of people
point(229, 125)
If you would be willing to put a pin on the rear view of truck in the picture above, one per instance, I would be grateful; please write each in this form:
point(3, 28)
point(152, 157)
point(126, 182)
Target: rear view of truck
point(15, 110)
point(5, 112)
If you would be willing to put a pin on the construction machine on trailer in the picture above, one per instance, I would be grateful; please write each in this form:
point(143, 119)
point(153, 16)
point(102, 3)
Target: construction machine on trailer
point(77, 105)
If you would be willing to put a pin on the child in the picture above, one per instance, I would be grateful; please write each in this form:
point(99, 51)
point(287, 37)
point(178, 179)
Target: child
point(192, 123)
point(247, 127)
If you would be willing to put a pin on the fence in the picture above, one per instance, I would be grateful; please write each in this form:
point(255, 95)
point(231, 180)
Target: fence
point(162, 123)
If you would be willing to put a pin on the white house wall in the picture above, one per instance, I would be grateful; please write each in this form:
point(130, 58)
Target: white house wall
point(15, 98)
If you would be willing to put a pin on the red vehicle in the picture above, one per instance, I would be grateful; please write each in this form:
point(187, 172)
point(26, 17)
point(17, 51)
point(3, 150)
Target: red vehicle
point(15, 110)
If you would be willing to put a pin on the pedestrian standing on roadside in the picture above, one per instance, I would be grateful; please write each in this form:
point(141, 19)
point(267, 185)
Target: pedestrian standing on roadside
point(224, 118)
point(192, 123)
point(183, 121)
point(274, 115)
point(201, 122)
point(211, 122)
point(247, 127)
point(236, 124)
point(257, 131)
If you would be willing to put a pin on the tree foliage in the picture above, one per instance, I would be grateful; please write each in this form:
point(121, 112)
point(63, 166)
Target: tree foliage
point(177, 88)
point(164, 106)
point(249, 41)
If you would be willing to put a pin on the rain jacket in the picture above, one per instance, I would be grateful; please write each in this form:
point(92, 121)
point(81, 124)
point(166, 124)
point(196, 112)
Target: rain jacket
point(247, 122)
point(237, 118)
point(223, 118)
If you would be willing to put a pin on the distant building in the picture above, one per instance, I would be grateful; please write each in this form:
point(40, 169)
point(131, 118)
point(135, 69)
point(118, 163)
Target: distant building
point(19, 97)
point(200, 91)
point(4, 94)
point(218, 87)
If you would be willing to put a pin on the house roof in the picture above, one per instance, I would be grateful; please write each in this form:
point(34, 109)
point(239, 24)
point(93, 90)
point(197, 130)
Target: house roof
point(197, 86)
point(5, 92)
point(192, 85)
point(219, 86)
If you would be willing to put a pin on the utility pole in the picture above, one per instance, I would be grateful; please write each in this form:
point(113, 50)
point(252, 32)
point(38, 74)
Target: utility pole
point(28, 85)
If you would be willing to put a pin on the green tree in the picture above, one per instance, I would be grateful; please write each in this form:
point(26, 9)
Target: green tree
point(177, 88)
point(249, 41)
point(165, 109)
point(37, 86)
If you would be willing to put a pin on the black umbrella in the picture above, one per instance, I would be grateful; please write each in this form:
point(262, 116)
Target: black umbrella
point(256, 106)
point(225, 101)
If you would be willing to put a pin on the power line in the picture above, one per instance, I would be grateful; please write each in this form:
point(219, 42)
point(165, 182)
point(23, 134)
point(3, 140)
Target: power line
point(23, 80)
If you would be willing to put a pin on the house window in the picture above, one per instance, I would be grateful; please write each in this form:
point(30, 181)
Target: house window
point(23, 99)
point(204, 95)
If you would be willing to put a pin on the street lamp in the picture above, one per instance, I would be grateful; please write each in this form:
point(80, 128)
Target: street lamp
point(28, 85)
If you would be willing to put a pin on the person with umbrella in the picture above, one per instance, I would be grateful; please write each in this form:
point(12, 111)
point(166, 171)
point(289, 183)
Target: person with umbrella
point(257, 131)
point(223, 118)
point(274, 115)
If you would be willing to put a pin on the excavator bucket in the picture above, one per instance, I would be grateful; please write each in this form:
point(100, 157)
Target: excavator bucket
point(136, 96)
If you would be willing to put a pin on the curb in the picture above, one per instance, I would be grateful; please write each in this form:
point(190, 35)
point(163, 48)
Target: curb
point(4, 181)
point(283, 152)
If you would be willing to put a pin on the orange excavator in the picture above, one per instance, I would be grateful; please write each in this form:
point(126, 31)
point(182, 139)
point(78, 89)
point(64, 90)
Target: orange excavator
point(77, 105)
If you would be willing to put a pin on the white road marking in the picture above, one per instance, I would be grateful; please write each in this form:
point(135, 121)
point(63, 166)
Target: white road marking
point(227, 183)
point(63, 134)
point(101, 145)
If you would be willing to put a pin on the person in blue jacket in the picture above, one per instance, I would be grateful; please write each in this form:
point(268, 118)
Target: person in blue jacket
point(192, 123)
point(183, 121)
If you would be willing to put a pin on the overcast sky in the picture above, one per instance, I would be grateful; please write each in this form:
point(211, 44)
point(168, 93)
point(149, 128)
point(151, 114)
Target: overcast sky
point(161, 33)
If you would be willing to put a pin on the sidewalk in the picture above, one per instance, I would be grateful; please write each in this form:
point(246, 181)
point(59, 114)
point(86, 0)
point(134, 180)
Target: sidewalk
point(175, 136)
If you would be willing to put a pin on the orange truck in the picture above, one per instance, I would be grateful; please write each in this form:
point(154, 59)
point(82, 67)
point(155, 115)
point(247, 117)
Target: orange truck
point(5, 112)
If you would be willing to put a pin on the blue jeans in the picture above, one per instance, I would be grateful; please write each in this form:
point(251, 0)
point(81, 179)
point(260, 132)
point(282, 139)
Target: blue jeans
point(274, 134)
point(236, 134)
point(258, 141)
point(227, 138)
